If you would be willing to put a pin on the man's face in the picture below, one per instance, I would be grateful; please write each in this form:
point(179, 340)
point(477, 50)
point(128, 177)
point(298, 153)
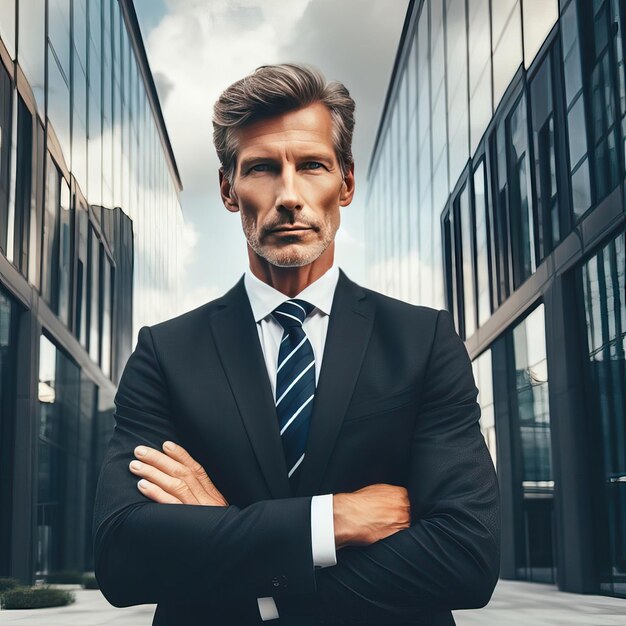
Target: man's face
point(288, 186)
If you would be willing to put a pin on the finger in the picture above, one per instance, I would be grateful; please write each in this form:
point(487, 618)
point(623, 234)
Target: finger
point(172, 468)
point(175, 487)
point(154, 492)
point(181, 455)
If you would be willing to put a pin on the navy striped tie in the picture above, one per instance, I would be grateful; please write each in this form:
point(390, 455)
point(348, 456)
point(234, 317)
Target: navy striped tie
point(295, 382)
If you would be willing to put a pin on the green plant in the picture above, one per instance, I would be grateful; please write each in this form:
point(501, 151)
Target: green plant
point(90, 582)
point(65, 577)
point(8, 583)
point(36, 598)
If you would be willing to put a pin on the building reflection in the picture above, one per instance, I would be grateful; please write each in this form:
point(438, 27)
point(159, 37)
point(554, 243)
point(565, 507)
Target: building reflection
point(496, 190)
point(90, 250)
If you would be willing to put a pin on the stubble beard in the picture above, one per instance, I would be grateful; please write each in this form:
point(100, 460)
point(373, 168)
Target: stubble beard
point(294, 255)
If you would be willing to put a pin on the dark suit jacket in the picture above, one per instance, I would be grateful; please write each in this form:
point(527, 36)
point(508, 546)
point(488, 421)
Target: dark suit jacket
point(395, 403)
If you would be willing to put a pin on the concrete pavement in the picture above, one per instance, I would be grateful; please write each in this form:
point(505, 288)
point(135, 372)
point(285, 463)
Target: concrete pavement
point(513, 604)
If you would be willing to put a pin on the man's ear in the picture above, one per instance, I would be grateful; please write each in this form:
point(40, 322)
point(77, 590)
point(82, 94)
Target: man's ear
point(229, 197)
point(347, 187)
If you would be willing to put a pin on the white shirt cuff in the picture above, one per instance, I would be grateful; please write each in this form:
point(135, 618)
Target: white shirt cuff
point(322, 543)
point(267, 608)
point(323, 531)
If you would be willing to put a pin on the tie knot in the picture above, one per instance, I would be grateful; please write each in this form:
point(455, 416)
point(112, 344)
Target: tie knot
point(292, 313)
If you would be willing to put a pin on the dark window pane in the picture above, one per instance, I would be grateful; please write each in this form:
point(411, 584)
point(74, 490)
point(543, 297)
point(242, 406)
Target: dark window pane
point(61, 508)
point(24, 157)
point(50, 251)
point(521, 216)
point(466, 248)
point(581, 189)
point(545, 144)
point(604, 285)
point(533, 414)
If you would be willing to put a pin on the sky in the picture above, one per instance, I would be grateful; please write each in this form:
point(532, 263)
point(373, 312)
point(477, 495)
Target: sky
point(197, 48)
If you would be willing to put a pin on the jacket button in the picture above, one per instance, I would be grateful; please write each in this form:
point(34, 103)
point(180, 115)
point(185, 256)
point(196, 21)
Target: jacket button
point(279, 581)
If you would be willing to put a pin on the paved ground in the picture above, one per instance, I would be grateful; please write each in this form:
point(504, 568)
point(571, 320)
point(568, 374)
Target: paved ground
point(513, 604)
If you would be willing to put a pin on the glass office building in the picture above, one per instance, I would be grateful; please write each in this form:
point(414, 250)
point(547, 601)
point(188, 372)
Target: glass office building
point(496, 191)
point(90, 240)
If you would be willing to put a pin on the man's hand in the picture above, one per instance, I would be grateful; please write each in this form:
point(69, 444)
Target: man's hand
point(369, 514)
point(360, 518)
point(174, 477)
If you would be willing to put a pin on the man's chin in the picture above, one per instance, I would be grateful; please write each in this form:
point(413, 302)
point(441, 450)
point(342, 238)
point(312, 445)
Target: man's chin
point(291, 258)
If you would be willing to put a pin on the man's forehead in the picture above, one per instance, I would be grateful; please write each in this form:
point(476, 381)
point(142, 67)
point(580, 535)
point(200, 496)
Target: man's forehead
point(308, 124)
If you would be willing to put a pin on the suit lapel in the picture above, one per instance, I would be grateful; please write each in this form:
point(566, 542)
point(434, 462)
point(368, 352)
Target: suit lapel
point(237, 341)
point(349, 329)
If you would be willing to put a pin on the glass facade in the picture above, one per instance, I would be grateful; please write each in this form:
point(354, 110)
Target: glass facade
point(91, 223)
point(512, 146)
point(532, 412)
point(604, 291)
point(107, 138)
point(8, 328)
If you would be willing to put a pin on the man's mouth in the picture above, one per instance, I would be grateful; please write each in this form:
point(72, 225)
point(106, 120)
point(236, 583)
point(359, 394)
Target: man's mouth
point(291, 229)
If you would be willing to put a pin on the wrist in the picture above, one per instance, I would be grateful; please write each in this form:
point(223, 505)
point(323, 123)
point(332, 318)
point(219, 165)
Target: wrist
point(344, 529)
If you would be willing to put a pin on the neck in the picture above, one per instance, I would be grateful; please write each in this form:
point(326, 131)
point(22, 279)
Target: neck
point(291, 280)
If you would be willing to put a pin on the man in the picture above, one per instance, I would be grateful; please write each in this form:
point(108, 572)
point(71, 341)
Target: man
point(302, 448)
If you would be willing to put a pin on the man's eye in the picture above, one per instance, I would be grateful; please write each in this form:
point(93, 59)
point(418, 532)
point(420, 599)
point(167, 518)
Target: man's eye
point(260, 167)
point(312, 165)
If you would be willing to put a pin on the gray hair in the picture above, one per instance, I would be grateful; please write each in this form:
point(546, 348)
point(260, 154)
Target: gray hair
point(275, 89)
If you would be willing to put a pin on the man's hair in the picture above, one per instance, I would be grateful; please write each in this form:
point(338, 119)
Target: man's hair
point(275, 89)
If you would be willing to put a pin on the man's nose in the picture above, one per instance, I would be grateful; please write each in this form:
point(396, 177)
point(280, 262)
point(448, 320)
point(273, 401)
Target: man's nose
point(288, 196)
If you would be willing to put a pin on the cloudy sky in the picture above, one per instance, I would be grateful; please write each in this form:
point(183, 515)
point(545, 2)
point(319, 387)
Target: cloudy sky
point(196, 48)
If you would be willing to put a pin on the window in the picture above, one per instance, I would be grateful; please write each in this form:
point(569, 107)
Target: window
point(50, 251)
point(66, 238)
point(8, 356)
point(521, 216)
point(501, 212)
point(82, 275)
point(94, 295)
point(5, 153)
point(66, 410)
point(465, 262)
point(549, 194)
point(536, 559)
point(482, 246)
point(20, 220)
point(604, 114)
point(604, 286)
point(107, 306)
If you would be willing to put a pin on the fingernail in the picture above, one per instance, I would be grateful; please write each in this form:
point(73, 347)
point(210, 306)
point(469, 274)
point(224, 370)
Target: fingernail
point(143, 483)
point(136, 465)
point(168, 445)
point(141, 450)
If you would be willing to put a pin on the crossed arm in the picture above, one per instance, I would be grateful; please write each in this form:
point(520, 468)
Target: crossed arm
point(219, 553)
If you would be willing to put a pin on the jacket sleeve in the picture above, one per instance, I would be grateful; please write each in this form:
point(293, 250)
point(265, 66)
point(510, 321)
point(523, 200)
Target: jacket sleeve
point(449, 557)
point(147, 552)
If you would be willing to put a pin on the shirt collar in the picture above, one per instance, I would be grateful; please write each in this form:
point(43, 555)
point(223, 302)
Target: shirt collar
point(264, 298)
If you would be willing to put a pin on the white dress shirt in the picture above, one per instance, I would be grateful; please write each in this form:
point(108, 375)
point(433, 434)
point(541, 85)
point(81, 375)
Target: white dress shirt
point(263, 300)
